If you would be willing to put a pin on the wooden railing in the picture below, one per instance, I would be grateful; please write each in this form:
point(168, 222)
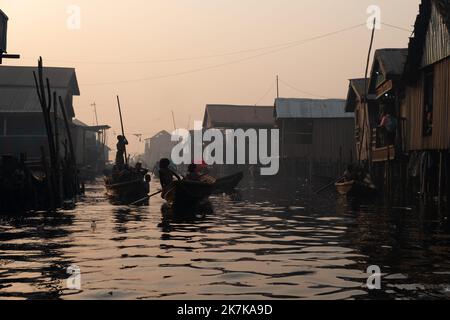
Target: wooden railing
point(381, 152)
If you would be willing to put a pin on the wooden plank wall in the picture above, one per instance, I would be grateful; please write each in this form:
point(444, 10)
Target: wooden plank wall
point(365, 131)
point(332, 139)
point(414, 100)
point(437, 40)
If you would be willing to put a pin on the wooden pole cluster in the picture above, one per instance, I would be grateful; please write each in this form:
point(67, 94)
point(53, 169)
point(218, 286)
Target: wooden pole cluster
point(52, 172)
point(62, 176)
point(72, 170)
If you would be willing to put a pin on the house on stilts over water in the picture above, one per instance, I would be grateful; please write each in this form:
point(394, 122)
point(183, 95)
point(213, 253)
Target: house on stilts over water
point(316, 137)
point(362, 107)
point(412, 87)
point(385, 92)
point(426, 101)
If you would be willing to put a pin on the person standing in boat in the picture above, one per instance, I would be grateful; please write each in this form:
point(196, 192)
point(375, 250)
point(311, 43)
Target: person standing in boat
point(122, 142)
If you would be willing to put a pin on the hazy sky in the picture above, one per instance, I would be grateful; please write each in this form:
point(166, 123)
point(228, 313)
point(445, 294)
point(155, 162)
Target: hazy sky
point(163, 55)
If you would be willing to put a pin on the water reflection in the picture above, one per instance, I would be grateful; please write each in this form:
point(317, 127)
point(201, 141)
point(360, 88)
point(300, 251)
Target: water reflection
point(123, 216)
point(263, 242)
point(25, 240)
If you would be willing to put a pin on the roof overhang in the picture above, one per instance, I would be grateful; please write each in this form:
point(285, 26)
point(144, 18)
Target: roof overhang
point(92, 128)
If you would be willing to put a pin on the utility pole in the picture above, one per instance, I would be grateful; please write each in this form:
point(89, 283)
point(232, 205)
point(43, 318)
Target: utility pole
point(95, 112)
point(366, 108)
point(189, 123)
point(278, 87)
point(173, 119)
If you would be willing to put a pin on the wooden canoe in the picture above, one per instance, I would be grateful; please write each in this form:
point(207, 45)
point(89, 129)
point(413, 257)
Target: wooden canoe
point(355, 189)
point(185, 195)
point(127, 191)
point(228, 183)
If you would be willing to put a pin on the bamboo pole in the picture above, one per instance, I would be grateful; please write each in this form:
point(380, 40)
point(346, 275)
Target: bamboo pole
point(59, 182)
point(440, 179)
point(72, 158)
point(46, 108)
point(51, 192)
point(123, 130)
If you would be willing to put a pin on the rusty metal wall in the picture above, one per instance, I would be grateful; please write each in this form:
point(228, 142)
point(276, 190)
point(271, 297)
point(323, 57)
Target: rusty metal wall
point(414, 101)
point(437, 42)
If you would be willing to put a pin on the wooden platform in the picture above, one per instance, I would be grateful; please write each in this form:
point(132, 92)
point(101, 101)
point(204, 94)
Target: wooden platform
point(383, 154)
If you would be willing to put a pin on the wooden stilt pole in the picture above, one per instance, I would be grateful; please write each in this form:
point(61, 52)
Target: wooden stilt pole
point(46, 103)
point(51, 193)
point(57, 169)
point(440, 179)
point(72, 159)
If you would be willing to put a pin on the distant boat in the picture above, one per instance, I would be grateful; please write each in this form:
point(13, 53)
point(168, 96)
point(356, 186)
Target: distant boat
point(127, 189)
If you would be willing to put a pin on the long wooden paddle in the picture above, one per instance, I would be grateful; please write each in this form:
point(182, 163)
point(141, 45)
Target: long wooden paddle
point(146, 198)
point(329, 185)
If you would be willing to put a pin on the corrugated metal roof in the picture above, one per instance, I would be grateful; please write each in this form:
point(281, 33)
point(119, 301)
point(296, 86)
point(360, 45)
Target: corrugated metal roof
point(311, 108)
point(392, 61)
point(84, 126)
point(430, 41)
point(356, 91)
point(79, 123)
point(14, 99)
point(233, 116)
point(13, 76)
point(444, 8)
point(359, 85)
point(18, 93)
point(160, 134)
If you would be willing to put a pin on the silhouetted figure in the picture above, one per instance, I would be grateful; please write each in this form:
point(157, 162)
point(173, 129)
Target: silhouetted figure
point(147, 179)
point(122, 142)
point(350, 174)
point(388, 125)
point(193, 173)
point(139, 169)
point(166, 175)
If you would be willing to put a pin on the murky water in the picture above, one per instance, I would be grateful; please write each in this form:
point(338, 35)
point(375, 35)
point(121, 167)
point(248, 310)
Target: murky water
point(252, 247)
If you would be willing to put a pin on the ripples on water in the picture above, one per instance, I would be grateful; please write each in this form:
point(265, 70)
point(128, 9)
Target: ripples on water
point(252, 247)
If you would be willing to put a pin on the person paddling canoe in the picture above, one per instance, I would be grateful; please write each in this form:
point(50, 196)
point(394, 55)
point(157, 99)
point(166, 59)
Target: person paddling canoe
point(167, 178)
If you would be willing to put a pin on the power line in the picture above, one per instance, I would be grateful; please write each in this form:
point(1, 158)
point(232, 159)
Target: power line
point(232, 53)
point(292, 45)
point(266, 94)
point(211, 56)
point(396, 27)
point(302, 91)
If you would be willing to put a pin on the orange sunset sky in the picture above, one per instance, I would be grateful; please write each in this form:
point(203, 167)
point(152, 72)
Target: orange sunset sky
point(164, 55)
